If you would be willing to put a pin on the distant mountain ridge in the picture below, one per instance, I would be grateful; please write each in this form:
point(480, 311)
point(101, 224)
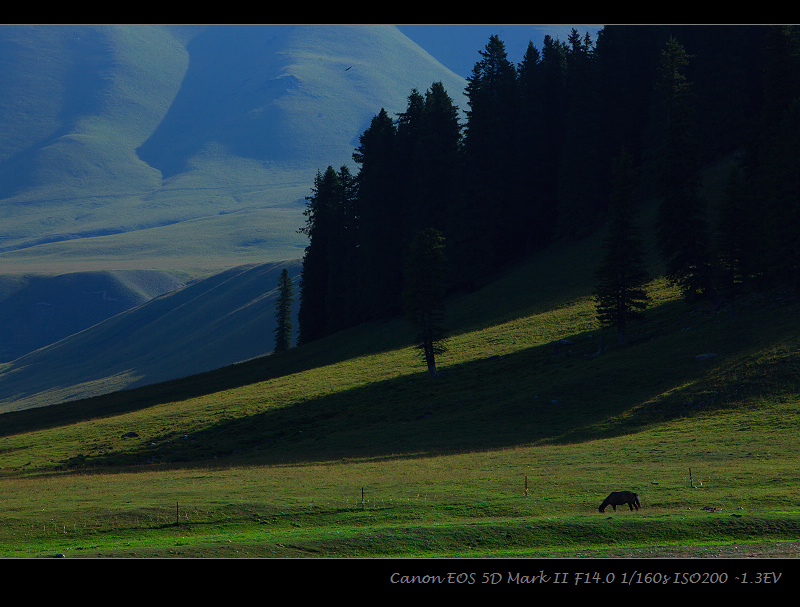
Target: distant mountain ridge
point(127, 133)
point(218, 321)
point(39, 310)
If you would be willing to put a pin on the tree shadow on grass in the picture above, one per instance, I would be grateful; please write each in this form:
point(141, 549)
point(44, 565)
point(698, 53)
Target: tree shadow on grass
point(324, 352)
point(538, 395)
point(533, 396)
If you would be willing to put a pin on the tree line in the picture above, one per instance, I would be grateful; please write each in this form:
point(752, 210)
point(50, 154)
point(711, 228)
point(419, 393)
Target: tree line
point(558, 146)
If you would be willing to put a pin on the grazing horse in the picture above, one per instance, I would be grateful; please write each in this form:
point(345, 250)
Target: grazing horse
point(617, 498)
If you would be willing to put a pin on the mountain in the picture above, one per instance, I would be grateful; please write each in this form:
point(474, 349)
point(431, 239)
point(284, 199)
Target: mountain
point(211, 323)
point(164, 146)
point(36, 311)
point(135, 158)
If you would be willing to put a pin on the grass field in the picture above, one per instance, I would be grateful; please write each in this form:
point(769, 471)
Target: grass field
point(345, 448)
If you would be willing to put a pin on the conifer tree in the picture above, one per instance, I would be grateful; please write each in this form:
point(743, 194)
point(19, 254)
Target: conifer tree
point(683, 231)
point(423, 293)
point(530, 176)
point(428, 160)
point(380, 212)
point(342, 302)
point(579, 188)
point(773, 162)
point(283, 313)
point(321, 230)
point(489, 148)
point(440, 159)
point(542, 82)
point(409, 164)
point(620, 295)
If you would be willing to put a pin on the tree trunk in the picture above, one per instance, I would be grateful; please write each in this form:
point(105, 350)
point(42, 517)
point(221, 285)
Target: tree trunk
point(430, 359)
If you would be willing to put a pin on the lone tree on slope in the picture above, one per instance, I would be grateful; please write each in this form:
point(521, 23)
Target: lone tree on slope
point(283, 313)
point(424, 293)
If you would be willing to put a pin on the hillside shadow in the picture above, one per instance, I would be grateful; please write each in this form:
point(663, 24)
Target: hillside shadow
point(367, 339)
point(555, 393)
point(534, 396)
point(230, 377)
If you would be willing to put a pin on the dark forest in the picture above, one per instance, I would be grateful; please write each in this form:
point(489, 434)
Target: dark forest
point(540, 156)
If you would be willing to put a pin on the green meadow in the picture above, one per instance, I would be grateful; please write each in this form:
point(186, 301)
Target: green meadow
point(347, 448)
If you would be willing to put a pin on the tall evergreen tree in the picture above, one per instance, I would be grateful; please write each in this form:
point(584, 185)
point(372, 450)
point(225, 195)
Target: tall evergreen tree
point(682, 227)
point(283, 313)
point(409, 162)
point(344, 287)
point(625, 72)
point(489, 148)
point(620, 295)
point(579, 189)
point(772, 162)
point(440, 160)
point(323, 228)
point(531, 179)
point(423, 293)
point(429, 162)
point(542, 89)
point(381, 218)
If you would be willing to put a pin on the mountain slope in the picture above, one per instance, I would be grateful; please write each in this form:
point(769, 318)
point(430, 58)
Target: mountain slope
point(128, 144)
point(212, 323)
point(36, 311)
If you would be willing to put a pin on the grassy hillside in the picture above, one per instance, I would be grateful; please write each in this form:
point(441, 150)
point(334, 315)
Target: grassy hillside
point(345, 447)
point(211, 323)
point(36, 311)
point(151, 146)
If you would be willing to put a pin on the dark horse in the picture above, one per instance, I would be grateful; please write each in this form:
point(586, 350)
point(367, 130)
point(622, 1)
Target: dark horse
point(617, 498)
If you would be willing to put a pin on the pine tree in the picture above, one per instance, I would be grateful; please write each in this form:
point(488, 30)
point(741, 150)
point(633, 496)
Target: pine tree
point(330, 289)
point(381, 219)
point(343, 290)
point(773, 162)
point(320, 228)
point(409, 163)
point(489, 147)
point(423, 293)
point(531, 179)
point(579, 205)
point(540, 133)
point(440, 160)
point(283, 313)
point(621, 296)
point(683, 230)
